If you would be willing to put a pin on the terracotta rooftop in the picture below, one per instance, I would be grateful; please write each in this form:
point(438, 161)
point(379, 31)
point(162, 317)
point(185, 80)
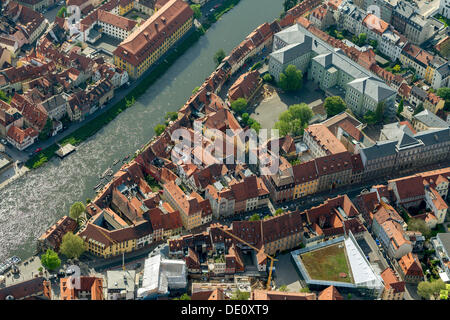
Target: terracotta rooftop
point(153, 32)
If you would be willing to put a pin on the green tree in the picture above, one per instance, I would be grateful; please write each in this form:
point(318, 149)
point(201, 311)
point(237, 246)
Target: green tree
point(219, 56)
point(302, 112)
point(362, 39)
point(305, 289)
point(397, 68)
point(419, 109)
point(197, 11)
point(373, 43)
point(283, 127)
point(240, 295)
point(172, 115)
point(379, 112)
point(50, 260)
point(427, 289)
point(370, 117)
point(62, 13)
point(267, 78)
point(254, 217)
point(289, 4)
point(294, 120)
point(77, 210)
point(419, 225)
point(283, 288)
point(195, 90)
point(278, 211)
point(4, 97)
point(239, 105)
point(444, 93)
point(72, 246)
point(185, 296)
point(44, 134)
point(245, 117)
point(400, 107)
point(255, 126)
point(334, 105)
point(159, 128)
point(291, 79)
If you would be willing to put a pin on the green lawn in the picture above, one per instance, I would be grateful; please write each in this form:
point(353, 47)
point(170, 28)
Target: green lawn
point(327, 263)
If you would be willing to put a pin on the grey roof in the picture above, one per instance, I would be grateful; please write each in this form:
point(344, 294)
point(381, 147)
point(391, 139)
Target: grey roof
point(434, 136)
point(404, 9)
point(380, 149)
point(116, 280)
point(418, 92)
point(372, 87)
point(444, 70)
point(430, 119)
point(407, 141)
point(445, 240)
point(53, 102)
point(394, 131)
point(376, 88)
point(292, 51)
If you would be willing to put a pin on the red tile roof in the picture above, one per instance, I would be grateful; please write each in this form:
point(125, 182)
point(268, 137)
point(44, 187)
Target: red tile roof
point(330, 293)
point(391, 281)
point(153, 32)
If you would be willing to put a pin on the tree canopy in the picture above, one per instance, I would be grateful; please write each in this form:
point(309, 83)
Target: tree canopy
point(239, 105)
point(289, 4)
point(76, 210)
point(334, 105)
point(427, 289)
point(240, 295)
point(419, 225)
point(50, 260)
point(419, 109)
point(62, 13)
point(44, 134)
point(294, 120)
point(159, 128)
point(218, 57)
point(254, 217)
point(291, 79)
point(400, 107)
point(72, 246)
point(172, 115)
point(197, 11)
point(444, 93)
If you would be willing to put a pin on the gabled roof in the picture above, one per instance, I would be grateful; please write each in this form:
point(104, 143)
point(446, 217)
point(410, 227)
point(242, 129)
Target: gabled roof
point(330, 293)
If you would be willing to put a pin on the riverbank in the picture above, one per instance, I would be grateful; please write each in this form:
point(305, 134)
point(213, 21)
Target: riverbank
point(90, 128)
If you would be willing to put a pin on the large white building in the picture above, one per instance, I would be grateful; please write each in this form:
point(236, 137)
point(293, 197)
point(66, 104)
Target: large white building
point(331, 69)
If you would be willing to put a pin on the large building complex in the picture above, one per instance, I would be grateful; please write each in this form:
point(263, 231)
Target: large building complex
point(142, 48)
point(331, 69)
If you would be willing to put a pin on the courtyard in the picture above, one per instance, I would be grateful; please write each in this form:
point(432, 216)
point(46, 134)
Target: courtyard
point(136, 15)
point(274, 101)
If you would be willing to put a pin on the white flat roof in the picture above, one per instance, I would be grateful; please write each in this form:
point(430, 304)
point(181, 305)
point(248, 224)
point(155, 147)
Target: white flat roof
point(362, 271)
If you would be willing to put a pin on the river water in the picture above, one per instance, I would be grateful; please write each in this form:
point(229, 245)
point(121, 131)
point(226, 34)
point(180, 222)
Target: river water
point(29, 205)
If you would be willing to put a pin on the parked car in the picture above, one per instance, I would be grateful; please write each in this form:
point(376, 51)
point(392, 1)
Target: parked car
point(4, 141)
point(38, 150)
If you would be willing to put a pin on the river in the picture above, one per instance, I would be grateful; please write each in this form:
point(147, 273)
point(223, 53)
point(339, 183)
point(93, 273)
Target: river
point(32, 203)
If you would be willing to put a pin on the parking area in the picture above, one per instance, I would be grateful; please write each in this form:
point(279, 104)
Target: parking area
point(267, 111)
point(286, 274)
